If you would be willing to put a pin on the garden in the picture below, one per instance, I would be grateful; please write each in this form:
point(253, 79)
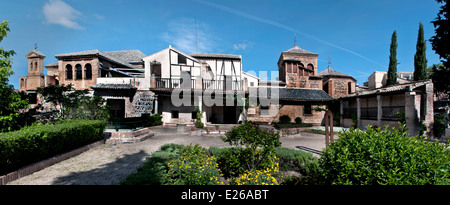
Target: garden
point(371, 157)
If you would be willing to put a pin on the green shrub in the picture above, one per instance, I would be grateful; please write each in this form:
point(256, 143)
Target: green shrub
point(171, 147)
point(258, 145)
point(438, 125)
point(233, 162)
point(153, 120)
point(383, 157)
point(34, 143)
point(298, 120)
point(199, 124)
point(284, 119)
point(193, 166)
point(297, 160)
point(155, 169)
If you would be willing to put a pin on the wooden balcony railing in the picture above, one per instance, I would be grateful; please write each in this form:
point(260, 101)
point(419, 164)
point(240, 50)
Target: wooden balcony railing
point(222, 85)
point(171, 83)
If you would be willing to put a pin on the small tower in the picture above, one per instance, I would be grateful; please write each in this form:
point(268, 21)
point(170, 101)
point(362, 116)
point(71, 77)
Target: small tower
point(35, 77)
point(35, 63)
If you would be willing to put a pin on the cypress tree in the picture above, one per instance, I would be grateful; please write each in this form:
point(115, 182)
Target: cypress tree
point(392, 70)
point(420, 59)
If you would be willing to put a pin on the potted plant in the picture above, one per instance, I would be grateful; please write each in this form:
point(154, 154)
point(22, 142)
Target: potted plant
point(217, 127)
point(207, 131)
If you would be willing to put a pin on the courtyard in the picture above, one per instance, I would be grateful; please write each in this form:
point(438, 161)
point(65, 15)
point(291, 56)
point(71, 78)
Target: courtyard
point(109, 164)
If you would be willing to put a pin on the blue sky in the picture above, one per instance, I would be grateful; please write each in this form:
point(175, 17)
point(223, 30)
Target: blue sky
point(355, 34)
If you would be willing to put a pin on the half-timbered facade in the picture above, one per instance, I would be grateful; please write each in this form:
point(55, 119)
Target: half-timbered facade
point(204, 80)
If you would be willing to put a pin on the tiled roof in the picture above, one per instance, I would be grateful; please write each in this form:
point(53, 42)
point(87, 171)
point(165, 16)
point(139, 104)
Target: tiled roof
point(129, 56)
point(392, 88)
point(296, 94)
point(55, 64)
point(113, 86)
point(292, 94)
point(297, 49)
point(36, 52)
point(211, 55)
point(123, 58)
point(81, 53)
point(331, 72)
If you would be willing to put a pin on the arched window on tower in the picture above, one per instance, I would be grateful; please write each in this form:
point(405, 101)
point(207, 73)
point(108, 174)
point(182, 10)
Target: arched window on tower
point(301, 69)
point(35, 66)
point(79, 72)
point(88, 71)
point(311, 68)
point(69, 75)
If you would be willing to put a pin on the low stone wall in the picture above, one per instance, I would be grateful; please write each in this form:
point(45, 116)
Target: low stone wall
point(45, 163)
point(115, 137)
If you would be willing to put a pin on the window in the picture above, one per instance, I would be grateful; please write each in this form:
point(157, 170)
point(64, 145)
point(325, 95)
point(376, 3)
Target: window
point(174, 114)
point(88, 71)
point(252, 84)
point(181, 59)
point(79, 72)
point(69, 72)
point(349, 87)
point(307, 110)
point(156, 70)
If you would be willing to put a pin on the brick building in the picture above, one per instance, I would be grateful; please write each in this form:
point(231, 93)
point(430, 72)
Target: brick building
point(412, 102)
point(337, 84)
point(300, 90)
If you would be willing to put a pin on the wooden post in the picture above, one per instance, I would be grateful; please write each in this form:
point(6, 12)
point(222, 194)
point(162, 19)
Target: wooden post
point(328, 124)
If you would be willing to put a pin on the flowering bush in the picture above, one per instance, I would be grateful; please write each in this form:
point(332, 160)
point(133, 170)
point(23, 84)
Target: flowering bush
point(259, 177)
point(193, 166)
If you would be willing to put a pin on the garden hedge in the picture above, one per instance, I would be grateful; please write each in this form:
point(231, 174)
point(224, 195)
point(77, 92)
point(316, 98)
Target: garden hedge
point(384, 157)
point(34, 143)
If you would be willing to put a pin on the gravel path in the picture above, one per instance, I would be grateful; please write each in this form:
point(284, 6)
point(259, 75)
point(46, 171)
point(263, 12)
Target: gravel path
point(110, 164)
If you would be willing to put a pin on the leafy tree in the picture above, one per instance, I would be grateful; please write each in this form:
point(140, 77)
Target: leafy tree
point(420, 59)
point(392, 70)
point(441, 45)
point(75, 104)
point(440, 75)
point(10, 101)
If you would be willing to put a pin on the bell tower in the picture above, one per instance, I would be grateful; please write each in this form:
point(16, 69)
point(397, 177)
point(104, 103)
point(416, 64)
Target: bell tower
point(35, 63)
point(35, 77)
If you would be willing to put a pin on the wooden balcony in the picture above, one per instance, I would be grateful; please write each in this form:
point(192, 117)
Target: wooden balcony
point(222, 85)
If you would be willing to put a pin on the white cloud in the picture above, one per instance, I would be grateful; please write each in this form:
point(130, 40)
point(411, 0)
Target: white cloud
point(59, 12)
point(98, 16)
point(243, 46)
point(181, 34)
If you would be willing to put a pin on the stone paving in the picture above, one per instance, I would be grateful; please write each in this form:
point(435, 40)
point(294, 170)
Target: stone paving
point(109, 164)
